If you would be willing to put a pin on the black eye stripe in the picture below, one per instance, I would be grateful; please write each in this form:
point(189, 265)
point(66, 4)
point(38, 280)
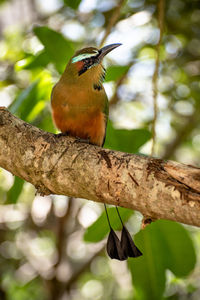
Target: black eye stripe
point(88, 62)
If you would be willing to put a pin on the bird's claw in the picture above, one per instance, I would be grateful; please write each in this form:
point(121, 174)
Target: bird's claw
point(80, 140)
point(62, 134)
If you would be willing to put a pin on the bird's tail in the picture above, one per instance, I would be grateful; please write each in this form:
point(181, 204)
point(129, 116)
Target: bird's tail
point(124, 248)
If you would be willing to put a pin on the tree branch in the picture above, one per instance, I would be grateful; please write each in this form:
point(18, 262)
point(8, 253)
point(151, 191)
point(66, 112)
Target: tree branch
point(57, 164)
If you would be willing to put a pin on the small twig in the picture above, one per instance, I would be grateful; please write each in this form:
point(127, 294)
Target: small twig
point(61, 230)
point(161, 5)
point(181, 135)
point(115, 98)
point(112, 21)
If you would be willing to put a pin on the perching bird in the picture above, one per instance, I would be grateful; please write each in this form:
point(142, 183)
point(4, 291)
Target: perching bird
point(79, 102)
point(80, 109)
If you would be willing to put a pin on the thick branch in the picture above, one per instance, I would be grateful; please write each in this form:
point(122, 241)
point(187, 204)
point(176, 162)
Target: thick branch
point(61, 165)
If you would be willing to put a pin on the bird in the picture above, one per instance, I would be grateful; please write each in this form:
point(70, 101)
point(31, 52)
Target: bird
point(79, 101)
point(80, 109)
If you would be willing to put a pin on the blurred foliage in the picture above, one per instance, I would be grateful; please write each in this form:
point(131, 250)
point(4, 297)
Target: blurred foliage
point(115, 72)
point(42, 250)
point(122, 139)
point(56, 47)
point(165, 245)
point(73, 4)
point(15, 190)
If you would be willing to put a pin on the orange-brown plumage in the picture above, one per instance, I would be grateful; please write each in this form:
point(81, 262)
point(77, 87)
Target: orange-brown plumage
point(88, 126)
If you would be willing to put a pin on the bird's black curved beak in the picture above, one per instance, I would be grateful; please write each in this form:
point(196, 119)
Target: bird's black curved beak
point(105, 50)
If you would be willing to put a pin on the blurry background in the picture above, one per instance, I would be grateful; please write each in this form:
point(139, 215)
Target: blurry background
point(53, 247)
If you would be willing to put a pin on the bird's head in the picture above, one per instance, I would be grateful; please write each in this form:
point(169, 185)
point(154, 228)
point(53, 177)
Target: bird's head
point(87, 58)
point(87, 63)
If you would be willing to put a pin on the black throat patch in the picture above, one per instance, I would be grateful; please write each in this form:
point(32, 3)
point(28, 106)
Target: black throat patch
point(97, 87)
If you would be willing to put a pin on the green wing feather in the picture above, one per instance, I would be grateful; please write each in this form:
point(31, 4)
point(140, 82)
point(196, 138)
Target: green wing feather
point(106, 112)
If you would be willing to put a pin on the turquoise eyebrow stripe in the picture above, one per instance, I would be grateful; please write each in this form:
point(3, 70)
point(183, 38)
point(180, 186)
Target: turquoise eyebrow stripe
point(83, 56)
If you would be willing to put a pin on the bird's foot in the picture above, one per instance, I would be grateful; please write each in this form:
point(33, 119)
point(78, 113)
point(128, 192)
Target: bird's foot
point(80, 140)
point(62, 134)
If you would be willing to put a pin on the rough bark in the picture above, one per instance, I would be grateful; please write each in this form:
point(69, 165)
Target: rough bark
point(57, 164)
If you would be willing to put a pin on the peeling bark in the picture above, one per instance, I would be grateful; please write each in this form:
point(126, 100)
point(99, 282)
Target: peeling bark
point(57, 164)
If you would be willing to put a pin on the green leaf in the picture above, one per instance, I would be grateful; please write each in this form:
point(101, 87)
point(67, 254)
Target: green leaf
point(31, 101)
point(100, 228)
point(31, 62)
point(148, 275)
point(176, 246)
point(44, 121)
point(58, 49)
point(15, 190)
point(165, 245)
point(26, 100)
point(126, 140)
point(41, 60)
point(115, 72)
point(72, 3)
